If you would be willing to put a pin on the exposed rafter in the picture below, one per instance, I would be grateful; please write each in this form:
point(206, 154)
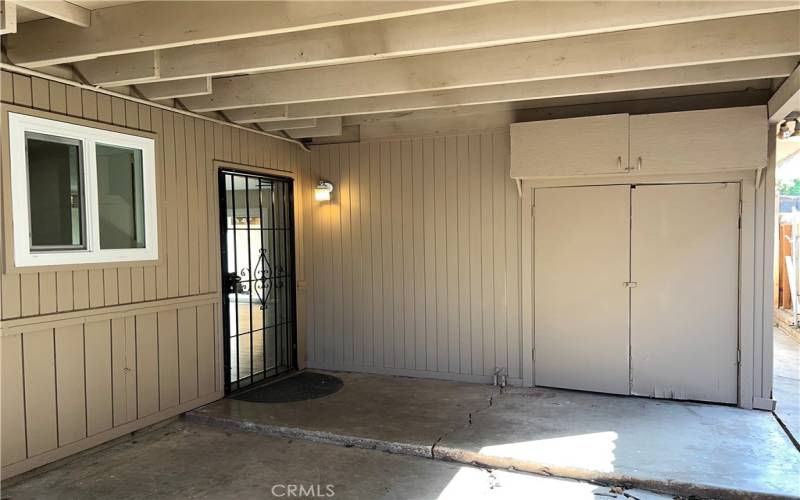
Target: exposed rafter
point(325, 127)
point(299, 123)
point(121, 29)
point(60, 9)
point(477, 27)
point(176, 89)
point(706, 42)
point(139, 67)
point(786, 99)
point(500, 115)
point(8, 17)
point(527, 91)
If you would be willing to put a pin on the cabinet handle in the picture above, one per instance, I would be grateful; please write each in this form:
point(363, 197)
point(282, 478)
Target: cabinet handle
point(619, 162)
point(639, 163)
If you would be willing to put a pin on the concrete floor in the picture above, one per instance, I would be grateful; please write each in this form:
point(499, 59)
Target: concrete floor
point(786, 381)
point(674, 447)
point(193, 461)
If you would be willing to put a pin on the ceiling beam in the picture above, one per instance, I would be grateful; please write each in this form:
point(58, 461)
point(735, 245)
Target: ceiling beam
point(462, 29)
point(60, 9)
point(152, 25)
point(139, 67)
point(432, 122)
point(260, 114)
point(527, 91)
point(177, 89)
point(8, 17)
point(300, 123)
point(325, 127)
point(705, 42)
point(786, 99)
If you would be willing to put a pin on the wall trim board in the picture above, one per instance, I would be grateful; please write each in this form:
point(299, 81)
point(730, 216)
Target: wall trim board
point(18, 325)
point(400, 372)
point(8, 235)
point(100, 438)
point(242, 167)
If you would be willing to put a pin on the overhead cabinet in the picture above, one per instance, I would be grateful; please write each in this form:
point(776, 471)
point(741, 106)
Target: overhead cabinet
point(575, 146)
point(683, 142)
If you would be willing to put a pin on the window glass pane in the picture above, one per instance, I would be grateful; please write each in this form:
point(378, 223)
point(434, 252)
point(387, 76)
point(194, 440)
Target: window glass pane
point(120, 197)
point(55, 192)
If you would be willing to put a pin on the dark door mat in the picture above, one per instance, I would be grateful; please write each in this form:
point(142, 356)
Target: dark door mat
point(303, 386)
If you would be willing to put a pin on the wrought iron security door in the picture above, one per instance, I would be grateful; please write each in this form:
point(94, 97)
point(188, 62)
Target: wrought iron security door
point(257, 222)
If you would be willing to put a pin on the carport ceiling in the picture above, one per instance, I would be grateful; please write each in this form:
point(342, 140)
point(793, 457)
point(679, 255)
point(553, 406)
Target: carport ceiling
point(297, 62)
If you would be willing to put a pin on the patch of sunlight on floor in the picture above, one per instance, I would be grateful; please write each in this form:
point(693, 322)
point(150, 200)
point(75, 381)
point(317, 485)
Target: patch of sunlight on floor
point(593, 451)
point(470, 482)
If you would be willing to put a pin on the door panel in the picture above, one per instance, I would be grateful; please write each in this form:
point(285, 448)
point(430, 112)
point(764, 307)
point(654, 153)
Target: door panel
point(258, 276)
point(684, 310)
point(581, 259)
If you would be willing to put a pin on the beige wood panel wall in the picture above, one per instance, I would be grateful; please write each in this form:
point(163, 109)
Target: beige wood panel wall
point(187, 202)
point(413, 266)
point(90, 354)
point(72, 384)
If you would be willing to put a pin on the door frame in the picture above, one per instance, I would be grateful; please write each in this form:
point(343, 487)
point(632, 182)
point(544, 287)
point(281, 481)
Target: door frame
point(751, 344)
point(299, 269)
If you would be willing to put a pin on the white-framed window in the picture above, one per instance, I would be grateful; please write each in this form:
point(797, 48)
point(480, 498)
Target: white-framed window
point(79, 194)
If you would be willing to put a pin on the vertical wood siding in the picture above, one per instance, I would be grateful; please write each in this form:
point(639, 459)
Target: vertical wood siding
point(76, 373)
point(413, 266)
point(65, 383)
point(187, 224)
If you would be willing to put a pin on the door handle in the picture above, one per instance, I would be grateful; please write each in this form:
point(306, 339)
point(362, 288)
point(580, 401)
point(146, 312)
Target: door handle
point(630, 284)
point(619, 162)
point(233, 283)
point(639, 163)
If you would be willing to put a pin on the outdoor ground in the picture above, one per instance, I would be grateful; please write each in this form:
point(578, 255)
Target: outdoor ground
point(191, 460)
point(395, 437)
point(786, 385)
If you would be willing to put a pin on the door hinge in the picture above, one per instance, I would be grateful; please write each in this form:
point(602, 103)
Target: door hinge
point(738, 356)
point(533, 353)
point(630, 284)
point(533, 210)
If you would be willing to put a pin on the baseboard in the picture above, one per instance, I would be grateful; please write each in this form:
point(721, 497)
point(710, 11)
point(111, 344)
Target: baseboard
point(766, 404)
point(404, 372)
point(65, 451)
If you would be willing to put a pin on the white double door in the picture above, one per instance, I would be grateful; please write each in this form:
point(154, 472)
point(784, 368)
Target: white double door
point(636, 289)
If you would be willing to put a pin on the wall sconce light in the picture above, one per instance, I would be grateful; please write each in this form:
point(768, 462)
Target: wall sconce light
point(323, 191)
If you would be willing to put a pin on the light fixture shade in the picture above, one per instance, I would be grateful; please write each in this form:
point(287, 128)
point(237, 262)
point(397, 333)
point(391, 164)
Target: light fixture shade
point(783, 131)
point(795, 137)
point(323, 191)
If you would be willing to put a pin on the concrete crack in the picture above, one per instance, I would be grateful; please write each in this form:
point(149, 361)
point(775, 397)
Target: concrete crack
point(469, 422)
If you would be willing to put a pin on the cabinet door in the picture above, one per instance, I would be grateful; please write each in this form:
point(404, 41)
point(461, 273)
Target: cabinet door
point(581, 265)
point(684, 309)
point(699, 141)
point(595, 145)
